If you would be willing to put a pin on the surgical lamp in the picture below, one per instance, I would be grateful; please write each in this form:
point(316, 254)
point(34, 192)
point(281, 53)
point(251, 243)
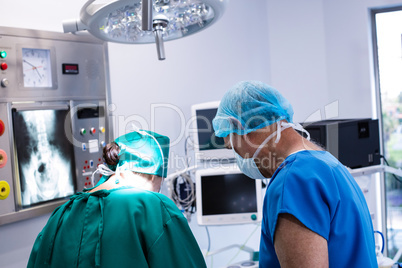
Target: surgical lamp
point(146, 21)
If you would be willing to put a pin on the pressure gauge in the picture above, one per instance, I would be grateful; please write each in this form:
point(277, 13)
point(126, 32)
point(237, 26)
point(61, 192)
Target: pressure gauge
point(37, 67)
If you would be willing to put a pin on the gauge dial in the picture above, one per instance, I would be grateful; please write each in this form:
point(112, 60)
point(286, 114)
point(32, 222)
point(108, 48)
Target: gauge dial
point(36, 67)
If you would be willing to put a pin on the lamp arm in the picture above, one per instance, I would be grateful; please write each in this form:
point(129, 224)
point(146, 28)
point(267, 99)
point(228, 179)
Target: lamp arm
point(160, 48)
point(76, 25)
point(146, 6)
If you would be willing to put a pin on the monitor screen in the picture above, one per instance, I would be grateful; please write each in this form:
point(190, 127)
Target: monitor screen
point(45, 155)
point(206, 135)
point(207, 146)
point(227, 196)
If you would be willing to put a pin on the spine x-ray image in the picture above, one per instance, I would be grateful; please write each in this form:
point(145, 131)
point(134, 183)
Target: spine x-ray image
point(45, 155)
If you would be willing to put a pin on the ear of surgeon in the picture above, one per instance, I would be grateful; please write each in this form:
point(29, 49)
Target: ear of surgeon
point(263, 147)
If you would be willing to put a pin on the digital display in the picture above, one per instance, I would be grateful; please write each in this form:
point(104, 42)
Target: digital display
point(45, 155)
point(70, 68)
point(90, 112)
point(206, 135)
point(228, 194)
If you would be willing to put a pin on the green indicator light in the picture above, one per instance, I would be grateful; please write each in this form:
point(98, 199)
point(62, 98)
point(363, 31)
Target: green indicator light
point(3, 54)
point(254, 217)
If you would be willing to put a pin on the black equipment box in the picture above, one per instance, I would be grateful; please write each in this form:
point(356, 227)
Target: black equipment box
point(355, 142)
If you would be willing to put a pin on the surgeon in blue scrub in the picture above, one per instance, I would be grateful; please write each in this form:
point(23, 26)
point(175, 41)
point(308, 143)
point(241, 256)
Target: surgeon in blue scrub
point(123, 221)
point(315, 214)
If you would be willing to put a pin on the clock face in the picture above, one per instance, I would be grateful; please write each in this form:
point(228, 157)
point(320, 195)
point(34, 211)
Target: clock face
point(36, 67)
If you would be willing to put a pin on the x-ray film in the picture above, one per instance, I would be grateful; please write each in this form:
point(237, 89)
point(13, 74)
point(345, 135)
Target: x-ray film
point(45, 155)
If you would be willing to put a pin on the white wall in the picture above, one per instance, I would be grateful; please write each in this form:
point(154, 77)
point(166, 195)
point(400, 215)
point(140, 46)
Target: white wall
point(298, 62)
point(314, 51)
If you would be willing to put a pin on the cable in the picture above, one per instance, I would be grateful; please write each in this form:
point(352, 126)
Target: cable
point(382, 237)
point(245, 242)
point(187, 201)
point(188, 146)
point(186, 151)
point(182, 183)
point(386, 162)
point(209, 239)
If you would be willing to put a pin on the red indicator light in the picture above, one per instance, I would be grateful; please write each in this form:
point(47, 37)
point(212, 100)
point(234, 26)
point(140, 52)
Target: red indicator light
point(3, 66)
point(2, 127)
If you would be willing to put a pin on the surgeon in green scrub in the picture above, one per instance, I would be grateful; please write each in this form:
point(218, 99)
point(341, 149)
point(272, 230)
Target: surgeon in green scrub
point(123, 221)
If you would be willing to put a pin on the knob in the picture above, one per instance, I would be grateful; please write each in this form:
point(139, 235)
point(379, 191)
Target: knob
point(4, 190)
point(3, 158)
point(4, 82)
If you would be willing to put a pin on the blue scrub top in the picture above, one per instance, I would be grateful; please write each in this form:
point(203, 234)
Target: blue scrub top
point(319, 191)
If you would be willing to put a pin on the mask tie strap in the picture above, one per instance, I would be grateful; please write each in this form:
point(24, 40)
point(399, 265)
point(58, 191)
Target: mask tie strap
point(263, 143)
point(105, 170)
point(231, 143)
point(298, 127)
point(281, 127)
point(156, 141)
point(102, 169)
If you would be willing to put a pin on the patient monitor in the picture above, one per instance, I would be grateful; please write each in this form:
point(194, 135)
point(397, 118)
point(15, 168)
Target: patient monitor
point(226, 196)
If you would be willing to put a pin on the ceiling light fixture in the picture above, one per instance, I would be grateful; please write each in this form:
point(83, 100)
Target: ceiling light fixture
point(146, 21)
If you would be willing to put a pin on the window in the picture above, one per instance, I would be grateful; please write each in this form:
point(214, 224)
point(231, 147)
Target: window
point(387, 24)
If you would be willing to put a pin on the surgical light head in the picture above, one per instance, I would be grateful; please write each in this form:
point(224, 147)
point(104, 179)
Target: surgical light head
point(135, 21)
point(248, 106)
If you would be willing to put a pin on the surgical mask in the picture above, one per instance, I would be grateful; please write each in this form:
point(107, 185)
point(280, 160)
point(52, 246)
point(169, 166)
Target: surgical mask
point(248, 165)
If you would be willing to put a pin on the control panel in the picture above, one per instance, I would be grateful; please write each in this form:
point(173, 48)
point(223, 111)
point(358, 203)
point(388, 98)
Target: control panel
point(89, 128)
point(54, 123)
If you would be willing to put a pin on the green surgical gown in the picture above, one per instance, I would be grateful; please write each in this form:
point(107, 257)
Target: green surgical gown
point(122, 227)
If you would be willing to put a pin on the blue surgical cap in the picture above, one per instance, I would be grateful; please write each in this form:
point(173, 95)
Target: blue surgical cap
point(144, 152)
point(248, 106)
